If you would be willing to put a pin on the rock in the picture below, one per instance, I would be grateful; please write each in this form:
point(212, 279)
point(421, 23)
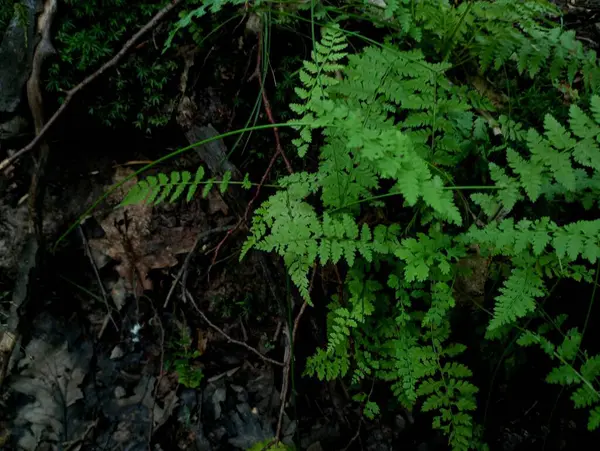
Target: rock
point(16, 54)
point(217, 398)
point(117, 353)
point(120, 392)
point(245, 428)
point(399, 424)
point(315, 447)
point(13, 127)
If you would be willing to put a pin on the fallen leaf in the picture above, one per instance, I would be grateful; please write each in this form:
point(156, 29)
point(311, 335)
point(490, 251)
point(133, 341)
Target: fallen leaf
point(130, 240)
point(51, 376)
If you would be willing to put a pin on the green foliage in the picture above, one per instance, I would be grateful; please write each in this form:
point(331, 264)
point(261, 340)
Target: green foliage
point(580, 379)
point(388, 121)
point(270, 444)
point(181, 360)
point(395, 139)
point(316, 76)
point(7, 12)
point(496, 34)
point(187, 17)
point(390, 129)
point(155, 190)
point(89, 33)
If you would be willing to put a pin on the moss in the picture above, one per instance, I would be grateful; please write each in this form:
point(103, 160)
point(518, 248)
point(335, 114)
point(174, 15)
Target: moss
point(89, 32)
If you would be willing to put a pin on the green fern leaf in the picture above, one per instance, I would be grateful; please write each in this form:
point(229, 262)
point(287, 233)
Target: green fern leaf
point(225, 182)
point(595, 107)
point(246, 184)
point(517, 298)
point(581, 124)
point(181, 186)
point(563, 375)
point(557, 134)
point(594, 420)
point(154, 189)
point(207, 187)
point(194, 186)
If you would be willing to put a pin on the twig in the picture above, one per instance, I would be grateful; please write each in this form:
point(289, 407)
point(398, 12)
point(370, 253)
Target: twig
point(86, 246)
point(257, 74)
point(73, 91)
point(278, 149)
point(355, 436)
point(160, 373)
point(288, 359)
point(188, 258)
point(360, 421)
point(224, 334)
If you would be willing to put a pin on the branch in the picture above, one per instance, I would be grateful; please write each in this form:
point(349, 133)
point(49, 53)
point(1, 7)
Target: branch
point(278, 150)
point(267, 104)
point(222, 332)
point(201, 236)
point(73, 91)
point(289, 357)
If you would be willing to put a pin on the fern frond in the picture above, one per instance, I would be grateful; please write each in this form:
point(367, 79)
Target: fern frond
point(452, 396)
point(517, 297)
point(315, 76)
point(155, 190)
point(585, 394)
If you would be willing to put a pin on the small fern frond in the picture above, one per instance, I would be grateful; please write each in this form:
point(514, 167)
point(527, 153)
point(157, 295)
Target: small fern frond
point(581, 379)
point(155, 190)
point(316, 76)
point(517, 297)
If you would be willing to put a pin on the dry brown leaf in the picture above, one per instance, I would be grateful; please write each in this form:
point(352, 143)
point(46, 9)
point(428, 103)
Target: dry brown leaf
point(202, 340)
point(216, 203)
point(130, 240)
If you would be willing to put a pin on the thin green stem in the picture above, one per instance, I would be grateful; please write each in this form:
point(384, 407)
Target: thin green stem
point(448, 45)
point(382, 196)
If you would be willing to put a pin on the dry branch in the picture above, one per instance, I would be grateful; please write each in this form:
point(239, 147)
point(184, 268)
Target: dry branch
point(224, 334)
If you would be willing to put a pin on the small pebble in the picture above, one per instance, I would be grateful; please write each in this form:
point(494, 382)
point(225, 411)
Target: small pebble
point(119, 392)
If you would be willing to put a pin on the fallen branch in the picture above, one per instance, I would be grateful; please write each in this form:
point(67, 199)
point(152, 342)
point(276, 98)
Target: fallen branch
point(224, 334)
point(73, 91)
point(36, 105)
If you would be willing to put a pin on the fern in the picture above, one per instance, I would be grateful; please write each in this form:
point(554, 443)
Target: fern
point(187, 17)
point(452, 397)
point(155, 190)
point(316, 76)
point(582, 379)
point(290, 226)
point(560, 163)
point(387, 122)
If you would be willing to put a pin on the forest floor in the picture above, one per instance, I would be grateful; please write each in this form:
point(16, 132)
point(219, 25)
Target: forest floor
point(145, 332)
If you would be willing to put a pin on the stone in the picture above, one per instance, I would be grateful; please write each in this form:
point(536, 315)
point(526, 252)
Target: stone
point(13, 127)
point(16, 54)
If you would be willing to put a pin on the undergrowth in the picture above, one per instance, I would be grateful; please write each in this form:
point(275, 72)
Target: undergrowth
point(433, 196)
point(181, 360)
point(144, 88)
